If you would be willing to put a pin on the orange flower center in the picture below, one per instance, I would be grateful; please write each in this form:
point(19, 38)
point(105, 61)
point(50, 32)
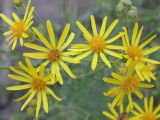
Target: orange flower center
point(134, 52)
point(149, 116)
point(54, 55)
point(97, 44)
point(38, 84)
point(18, 29)
point(130, 84)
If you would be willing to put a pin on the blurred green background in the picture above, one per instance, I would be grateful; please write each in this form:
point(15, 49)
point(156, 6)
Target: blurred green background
point(82, 98)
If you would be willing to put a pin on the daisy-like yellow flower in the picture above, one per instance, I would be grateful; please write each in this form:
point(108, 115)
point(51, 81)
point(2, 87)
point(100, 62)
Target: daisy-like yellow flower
point(125, 85)
point(37, 83)
point(135, 52)
point(122, 114)
point(18, 27)
point(148, 112)
point(52, 53)
point(99, 43)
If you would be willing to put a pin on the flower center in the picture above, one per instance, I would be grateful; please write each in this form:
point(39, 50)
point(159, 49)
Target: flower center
point(97, 44)
point(134, 52)
point(18, 29)
point(130, 84)
point(54, 55)
point(149, 116)
point(38, 84)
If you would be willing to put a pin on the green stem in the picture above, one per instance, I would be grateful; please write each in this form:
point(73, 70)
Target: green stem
point(125, 20)
point(4, 68)
point(72, 107)
point(91, 73)
point(65, 11)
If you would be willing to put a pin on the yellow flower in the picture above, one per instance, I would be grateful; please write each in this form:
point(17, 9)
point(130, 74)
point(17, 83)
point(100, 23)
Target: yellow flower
point(36, 82)
point(148, 113)
point(125, 85)
point(53, 53)
point(135, 52)
point(18, 27)
point(145, 72)
point(122, 114)
point(99, 44)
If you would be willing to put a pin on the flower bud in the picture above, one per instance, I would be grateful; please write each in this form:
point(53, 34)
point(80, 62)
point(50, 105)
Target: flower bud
point(126, 3)
point(119, 8)
point(133, 12)
point(17, 2)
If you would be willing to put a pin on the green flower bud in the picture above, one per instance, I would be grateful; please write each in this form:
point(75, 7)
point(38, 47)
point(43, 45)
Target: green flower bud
point(17, 2)
point(133, 12)
point(119, 8)
point(126, 3)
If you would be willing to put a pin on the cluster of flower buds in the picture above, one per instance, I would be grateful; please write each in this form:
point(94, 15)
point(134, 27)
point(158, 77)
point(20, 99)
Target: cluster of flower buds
point(125, 7)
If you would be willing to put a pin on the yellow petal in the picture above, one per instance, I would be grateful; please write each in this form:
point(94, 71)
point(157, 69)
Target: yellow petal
point(112, 81)
point(113, 53)
point(24, 96)
point(45, 102)
point(7, 33)
point(63, 36)
point(146, 42)
point(105, 60)
point(117, 76)
point(114, 38)
point(94, 61)
point(103, 27)
point(126, 38)
point(151, 61)
point(138, 37)
point(36, 47)
point(16, 18)
point(39, 99)
point(53, 94)
point(36, 55)
point(70, 60)
point(138, 107)
point(42, 38)
point(28, 100)
point(6, 19)
point(115, 47)
point(146, 106)
point(20, 73)
point(51, 33)
point(151, 104)
point(83, 29)
point(27, 9)
point(21, 41)
point(151, 50)
point(19, 78)
point(71, 37)
point(82, 56)
point(134, 34)
point(67, 69)
point(93, 24)
point(108, 115)
point(19, 87)
point(138, 93)
point(14, 44)
point(110, 29)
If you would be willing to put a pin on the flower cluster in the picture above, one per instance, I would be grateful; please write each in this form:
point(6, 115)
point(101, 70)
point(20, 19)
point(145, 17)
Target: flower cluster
point(55, 54)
